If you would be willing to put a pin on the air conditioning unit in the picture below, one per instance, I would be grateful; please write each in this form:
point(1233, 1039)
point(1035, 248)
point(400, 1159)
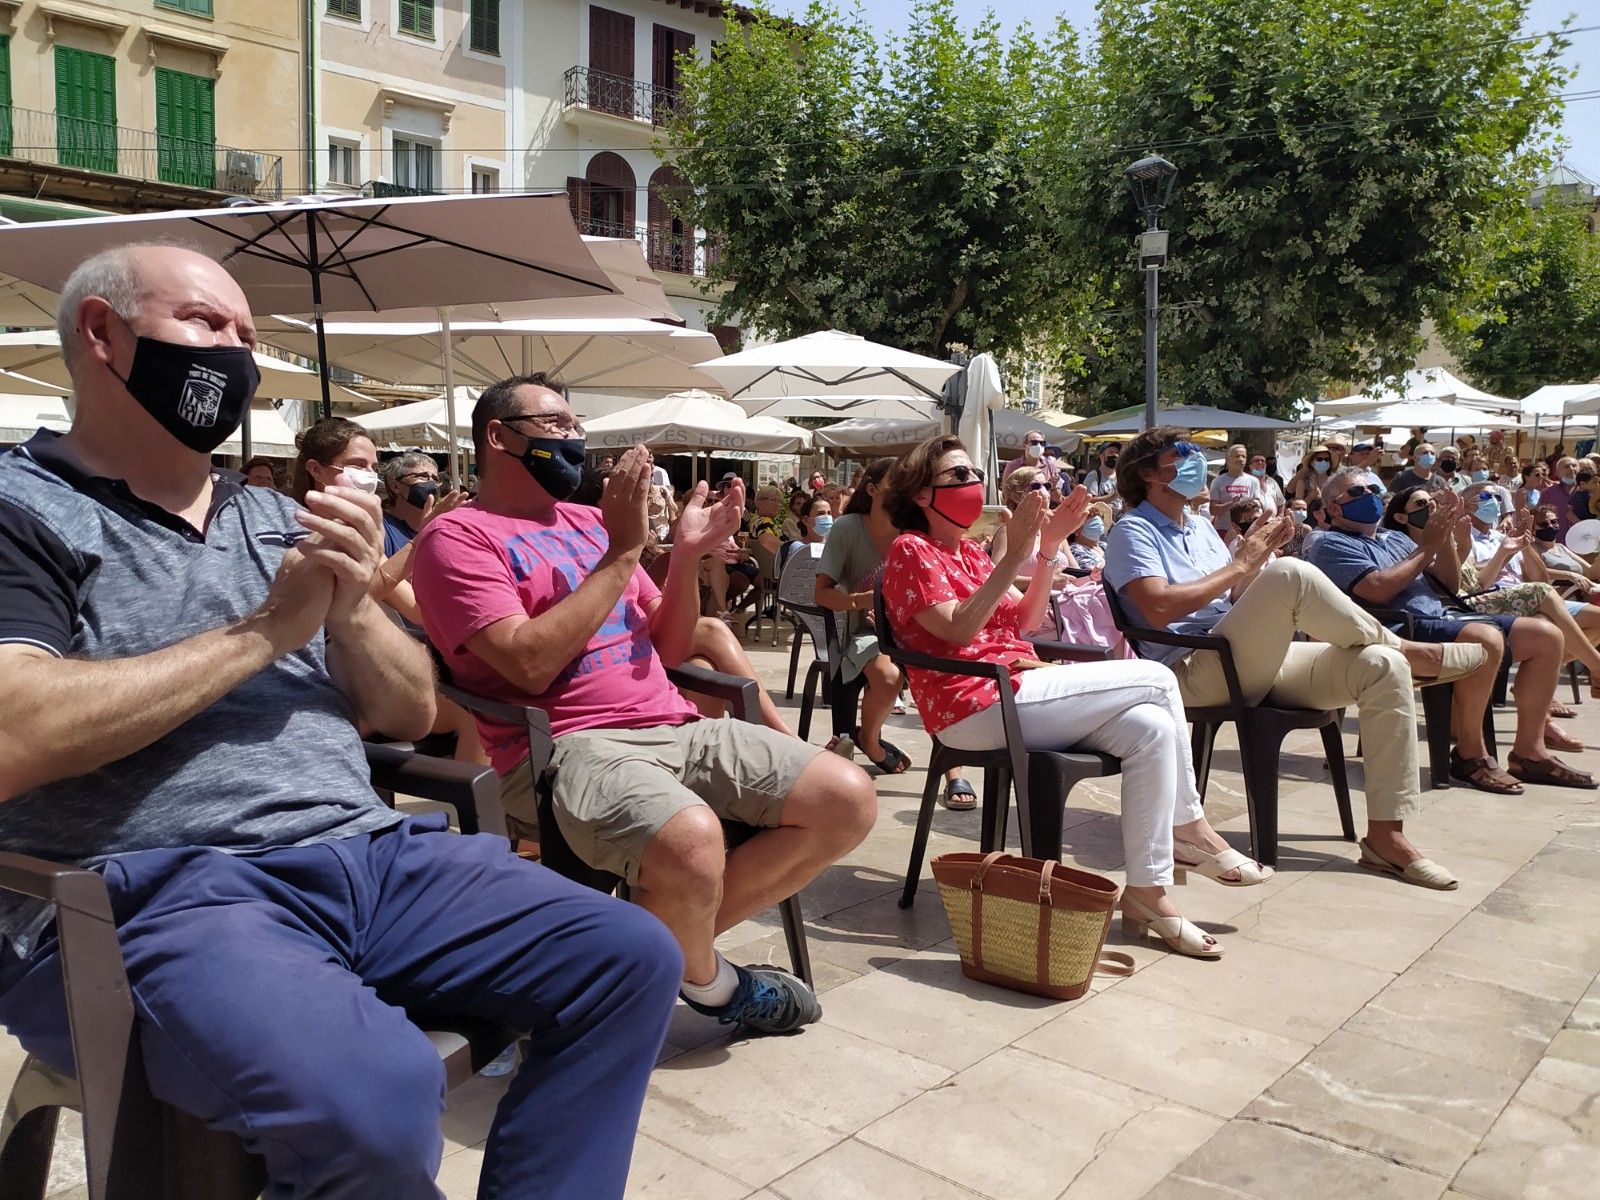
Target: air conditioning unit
point(241, 171)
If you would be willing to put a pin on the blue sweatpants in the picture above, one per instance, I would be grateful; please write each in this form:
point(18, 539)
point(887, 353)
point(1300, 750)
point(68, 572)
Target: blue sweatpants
point(270, 992)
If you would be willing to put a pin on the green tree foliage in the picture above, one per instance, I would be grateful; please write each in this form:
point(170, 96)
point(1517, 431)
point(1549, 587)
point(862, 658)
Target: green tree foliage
point(1540, 322)
point(884, 188)
point(1339, 166)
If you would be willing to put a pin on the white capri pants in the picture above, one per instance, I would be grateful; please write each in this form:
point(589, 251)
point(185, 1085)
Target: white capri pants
point(1130, 708)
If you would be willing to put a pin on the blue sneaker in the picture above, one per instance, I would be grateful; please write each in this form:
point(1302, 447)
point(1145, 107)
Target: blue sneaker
point(768, 1000)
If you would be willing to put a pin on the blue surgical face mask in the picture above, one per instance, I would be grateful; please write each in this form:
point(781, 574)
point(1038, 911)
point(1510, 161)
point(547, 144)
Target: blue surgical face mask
point(1488, 510)
point(1568, 479)
point(821, 525)
point(1190, 479)
point(1299, 515)
point(1533, 496)
point(1321, 466)
point(1258, 472)
point(1094, 529)
point(1480, 476)
point(1426, 460)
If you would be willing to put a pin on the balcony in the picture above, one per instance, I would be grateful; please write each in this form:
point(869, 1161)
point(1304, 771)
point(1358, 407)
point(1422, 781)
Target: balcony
point(665, 248)
point(615, 102)
point(137, 154)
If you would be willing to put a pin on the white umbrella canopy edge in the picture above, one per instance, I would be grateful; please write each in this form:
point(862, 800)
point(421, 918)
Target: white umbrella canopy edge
point(1419, 383)
point(829, 363)
point(1184, 416)
point(21, 416)
point(1427, 414)
point(686, 422)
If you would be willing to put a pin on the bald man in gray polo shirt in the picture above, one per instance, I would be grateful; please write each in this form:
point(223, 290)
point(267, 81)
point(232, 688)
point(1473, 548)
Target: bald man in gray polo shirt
point(185, 660)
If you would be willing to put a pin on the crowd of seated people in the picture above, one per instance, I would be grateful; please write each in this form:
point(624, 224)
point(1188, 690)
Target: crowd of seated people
point(192, 660)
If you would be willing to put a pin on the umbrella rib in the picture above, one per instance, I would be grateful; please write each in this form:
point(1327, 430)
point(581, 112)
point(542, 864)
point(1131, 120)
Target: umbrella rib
point(252, 245)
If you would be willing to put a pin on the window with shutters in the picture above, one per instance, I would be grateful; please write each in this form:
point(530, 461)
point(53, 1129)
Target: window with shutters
point(484, 35)
point(416, 17)
point(349, 9)
point(186, 134)
point(86, 109)
point(414, 164)
point(485, 180)
point(342, 162)
point(5, 93)
point(197, 8)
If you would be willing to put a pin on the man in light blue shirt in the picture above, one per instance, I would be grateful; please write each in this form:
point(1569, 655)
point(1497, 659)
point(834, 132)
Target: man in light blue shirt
point(1171, 571)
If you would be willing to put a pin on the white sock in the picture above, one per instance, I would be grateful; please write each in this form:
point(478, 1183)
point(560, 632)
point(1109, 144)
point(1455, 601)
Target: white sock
point(719, 991)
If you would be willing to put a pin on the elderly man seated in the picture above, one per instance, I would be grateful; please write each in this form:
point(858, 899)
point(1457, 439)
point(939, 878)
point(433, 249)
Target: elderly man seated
point(1386, 569)
point(1172, 571)
point(184, 659)
point(538, 601)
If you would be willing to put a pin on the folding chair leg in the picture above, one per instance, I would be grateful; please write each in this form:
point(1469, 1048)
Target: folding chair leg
point(1259, 757)
point(25, 1157)
point(1572, 678)
point(794, 933)
point(919, 841)
point(1333, 747)
point(1490, 742)
point(1437, 704)
point(996, 800)
point(808, 702)
point(1201, 742)
point(794, 666)
point(1047, 796)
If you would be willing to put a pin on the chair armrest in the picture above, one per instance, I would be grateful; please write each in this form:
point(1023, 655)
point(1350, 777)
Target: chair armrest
point(741, 695)
point(1053, 651)
point(535, 722)
point(949, 666)
point(472, 790)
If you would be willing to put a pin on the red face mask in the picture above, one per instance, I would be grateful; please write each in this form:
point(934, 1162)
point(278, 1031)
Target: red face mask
point(959, 503)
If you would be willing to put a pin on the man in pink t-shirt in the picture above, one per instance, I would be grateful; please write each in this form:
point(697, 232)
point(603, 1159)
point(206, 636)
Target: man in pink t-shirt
point(537, 601)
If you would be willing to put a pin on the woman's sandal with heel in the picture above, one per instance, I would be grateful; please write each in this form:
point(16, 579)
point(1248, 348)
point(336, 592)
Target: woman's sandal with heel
point(1180, 934)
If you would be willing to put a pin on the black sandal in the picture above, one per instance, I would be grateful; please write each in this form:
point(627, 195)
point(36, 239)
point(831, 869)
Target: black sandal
point(895, 761)
point(959, 796)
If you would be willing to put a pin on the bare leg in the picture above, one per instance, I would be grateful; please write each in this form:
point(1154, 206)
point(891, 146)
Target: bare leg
point(1472, 692)
point(1537, 647)
point(717, 584)
point(454, 719)
point(681, 882)
point(826, 814)
point(883, 683)
point(715, 646)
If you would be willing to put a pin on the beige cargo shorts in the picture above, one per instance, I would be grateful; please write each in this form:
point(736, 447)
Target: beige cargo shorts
point(615, 788)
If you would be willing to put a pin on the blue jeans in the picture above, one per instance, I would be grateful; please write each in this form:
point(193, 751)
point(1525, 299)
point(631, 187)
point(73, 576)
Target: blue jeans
point(272, 992)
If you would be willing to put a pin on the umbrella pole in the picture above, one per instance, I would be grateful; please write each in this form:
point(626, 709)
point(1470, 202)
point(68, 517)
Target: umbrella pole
point(316, 308)
point(450, 396)
point(244, 434)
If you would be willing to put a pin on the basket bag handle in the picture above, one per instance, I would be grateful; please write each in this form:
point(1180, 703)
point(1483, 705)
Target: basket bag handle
point(1110, 962)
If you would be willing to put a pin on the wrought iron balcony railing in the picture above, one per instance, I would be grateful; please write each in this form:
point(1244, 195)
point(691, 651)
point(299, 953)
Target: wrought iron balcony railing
point(619, 96)
point(47, 137)
point(666, 247)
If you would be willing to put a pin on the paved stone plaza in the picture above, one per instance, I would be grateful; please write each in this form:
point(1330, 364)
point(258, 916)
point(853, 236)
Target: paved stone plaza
point(1361, 1037)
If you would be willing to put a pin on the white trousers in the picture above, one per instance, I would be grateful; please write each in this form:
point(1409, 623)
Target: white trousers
point(1130, 708)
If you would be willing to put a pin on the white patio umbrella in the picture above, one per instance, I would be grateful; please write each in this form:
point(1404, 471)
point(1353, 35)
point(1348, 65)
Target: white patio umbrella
point(263, 432)
point(1575, 399)
point(23, 416)
point(1419, 383)
point(422, 423)
point(615, 352)
point(985, 400)
point(1427, 414)
point(317, 256)
point(688, 422)
point(824, 365)
point(845, 408)
point(873, 437)
point(1012, 426)
point(1184, 416)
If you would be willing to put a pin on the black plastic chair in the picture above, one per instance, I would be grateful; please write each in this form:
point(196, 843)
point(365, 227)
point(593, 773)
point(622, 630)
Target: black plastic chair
point(1261, 727)
point(1438, 703)
point(1040, 779)
point(135, 1147)
point(743, 700)
point(824, 675)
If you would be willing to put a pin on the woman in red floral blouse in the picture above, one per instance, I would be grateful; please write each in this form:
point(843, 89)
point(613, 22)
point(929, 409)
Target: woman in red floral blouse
point(944, 596)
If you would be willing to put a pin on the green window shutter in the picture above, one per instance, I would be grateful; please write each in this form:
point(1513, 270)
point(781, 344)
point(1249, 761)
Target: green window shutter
point(200, 8)
point(486, 26)
point(416, 16)
point(345, 8)
point(5, 93)
point(86, 109)
point(185, 128)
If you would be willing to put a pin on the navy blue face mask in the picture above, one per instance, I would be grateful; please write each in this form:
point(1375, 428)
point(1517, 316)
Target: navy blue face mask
point(556, 464)
point(1365, 509)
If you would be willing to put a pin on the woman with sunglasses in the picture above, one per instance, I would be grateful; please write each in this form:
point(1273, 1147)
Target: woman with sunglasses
point(944, 596)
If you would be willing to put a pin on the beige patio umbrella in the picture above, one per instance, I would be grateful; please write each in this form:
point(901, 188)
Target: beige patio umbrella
point(693, 421)
point(365, 255)
point(595, 353)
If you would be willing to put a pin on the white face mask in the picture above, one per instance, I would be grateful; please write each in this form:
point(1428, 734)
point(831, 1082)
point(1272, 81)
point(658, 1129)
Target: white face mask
point(357, 477)
point(1033, 450)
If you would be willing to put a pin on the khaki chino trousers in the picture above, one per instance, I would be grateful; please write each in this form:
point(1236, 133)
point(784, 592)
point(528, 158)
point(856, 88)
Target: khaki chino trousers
point(1360, 664)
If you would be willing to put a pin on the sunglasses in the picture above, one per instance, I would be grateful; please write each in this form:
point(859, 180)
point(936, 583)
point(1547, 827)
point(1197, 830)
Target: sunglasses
point(1032, 442)
point(963, 473)
point(1038, 487)
point(1364, 489)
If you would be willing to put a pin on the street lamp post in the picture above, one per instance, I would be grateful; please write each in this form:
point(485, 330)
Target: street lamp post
point(1151, 180)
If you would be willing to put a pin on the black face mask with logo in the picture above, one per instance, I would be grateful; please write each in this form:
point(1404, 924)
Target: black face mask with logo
point(556, 464)
point(198, 394)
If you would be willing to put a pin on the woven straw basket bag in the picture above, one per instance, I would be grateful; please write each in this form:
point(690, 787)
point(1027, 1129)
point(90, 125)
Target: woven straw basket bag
point(1029, 924)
